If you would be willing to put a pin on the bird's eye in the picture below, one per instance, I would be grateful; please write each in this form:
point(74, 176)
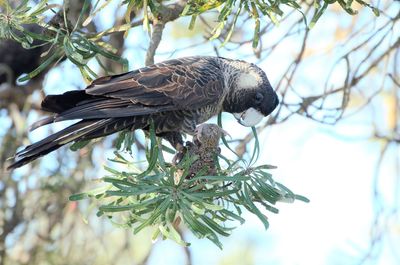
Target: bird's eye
point(258, 98)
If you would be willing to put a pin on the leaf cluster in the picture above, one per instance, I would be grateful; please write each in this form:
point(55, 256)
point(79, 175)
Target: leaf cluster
point(62, 40)
point(59, 40)
point(13, 19)
point(164, 195)
point(256, 9)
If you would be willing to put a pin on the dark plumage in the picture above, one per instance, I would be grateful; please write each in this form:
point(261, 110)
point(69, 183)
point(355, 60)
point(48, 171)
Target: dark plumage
point(16, 60)
point(176, 95)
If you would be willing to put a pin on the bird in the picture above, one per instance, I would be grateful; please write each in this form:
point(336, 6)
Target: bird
point(174, 96)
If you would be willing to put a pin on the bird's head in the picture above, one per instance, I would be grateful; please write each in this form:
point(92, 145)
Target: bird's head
point(250, 96)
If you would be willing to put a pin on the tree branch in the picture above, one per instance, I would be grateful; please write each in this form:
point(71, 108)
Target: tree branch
point(154, 42)
point(165, 14)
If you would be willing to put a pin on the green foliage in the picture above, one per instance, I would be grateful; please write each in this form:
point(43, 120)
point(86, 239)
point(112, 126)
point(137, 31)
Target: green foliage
point(59, 37)
point(12, 20)
point(63, 40)
point(273, 9)
point(163, 195)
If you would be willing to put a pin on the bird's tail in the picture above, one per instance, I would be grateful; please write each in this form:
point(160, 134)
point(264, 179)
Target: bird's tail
point(83, 130)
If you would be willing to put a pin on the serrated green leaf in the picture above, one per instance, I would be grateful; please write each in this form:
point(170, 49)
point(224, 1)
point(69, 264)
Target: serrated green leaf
point(219, 122)
point(132, 192)
point(212, 207)
point(317, 15)
point(198, 210)
point(233, 215)
point(152, 152)
point(78, 196)
point(120, 208)
point(301, 198)
point(376, 11)
point(253, 207)
point(117, 208)
point(168, 150)
point(236, 177)
point(186, 10)
point(54, 57)
point(78, 145)
point(217, 30)
point(215, 226)
point(198, 228)
point(267, 193)
point(230, 32)
point(192, 22)
point(92, 15)
point(213, 194)
point(174, 235)
point(266, 167)
point(155, 214)
point(112, 171)
point(155, 235)
point(99, 213)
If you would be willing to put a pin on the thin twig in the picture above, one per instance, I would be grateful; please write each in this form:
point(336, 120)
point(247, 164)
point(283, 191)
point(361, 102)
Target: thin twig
point(165, 14)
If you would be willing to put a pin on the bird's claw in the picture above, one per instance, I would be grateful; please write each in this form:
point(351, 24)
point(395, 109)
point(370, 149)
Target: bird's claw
point(199, 129)
point(181, 152)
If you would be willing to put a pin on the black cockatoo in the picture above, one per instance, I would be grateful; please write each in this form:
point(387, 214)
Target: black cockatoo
point(176, 95)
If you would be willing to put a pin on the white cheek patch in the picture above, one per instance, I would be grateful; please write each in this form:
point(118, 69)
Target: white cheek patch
point(249, 118)
point(248, 80)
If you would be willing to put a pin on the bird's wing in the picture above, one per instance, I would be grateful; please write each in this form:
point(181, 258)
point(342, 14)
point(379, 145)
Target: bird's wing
point(179, 84)
point(186, 83)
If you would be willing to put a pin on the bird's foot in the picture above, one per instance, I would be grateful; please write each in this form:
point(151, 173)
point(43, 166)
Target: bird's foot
point(181, 151)
point(205, 129)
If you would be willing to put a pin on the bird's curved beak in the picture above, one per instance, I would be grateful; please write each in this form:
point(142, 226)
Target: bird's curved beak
point(249, 117)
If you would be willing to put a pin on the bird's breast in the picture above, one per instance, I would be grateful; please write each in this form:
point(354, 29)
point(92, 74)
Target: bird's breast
point(207, 112)
point(192, 118)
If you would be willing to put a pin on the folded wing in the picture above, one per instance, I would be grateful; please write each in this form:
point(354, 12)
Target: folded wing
point(179, 84)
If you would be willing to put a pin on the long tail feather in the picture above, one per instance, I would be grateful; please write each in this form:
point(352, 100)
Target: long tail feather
point(83, 130)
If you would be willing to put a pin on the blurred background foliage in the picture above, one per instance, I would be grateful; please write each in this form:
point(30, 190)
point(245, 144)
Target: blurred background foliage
point(356, 41)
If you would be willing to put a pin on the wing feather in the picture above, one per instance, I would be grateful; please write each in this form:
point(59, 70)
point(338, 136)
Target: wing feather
point(179, 84)
point(187, 83)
